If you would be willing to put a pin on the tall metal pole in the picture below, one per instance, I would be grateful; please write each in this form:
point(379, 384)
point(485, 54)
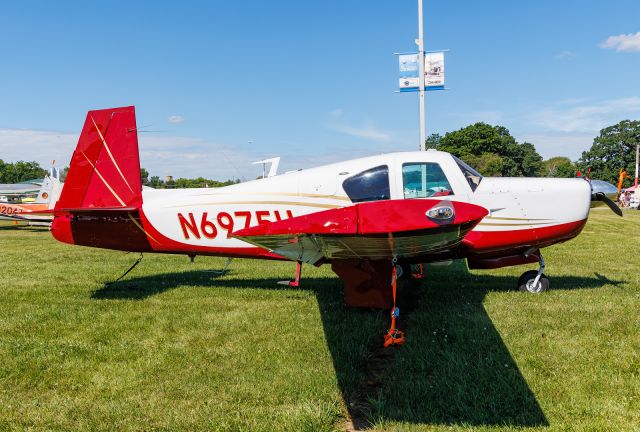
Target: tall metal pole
point(637, 153)
point(421, 92)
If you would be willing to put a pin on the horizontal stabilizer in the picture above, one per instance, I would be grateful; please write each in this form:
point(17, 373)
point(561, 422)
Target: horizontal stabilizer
point(96, 210)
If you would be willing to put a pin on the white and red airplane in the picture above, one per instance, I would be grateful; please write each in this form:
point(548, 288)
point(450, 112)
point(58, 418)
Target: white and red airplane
point(361, 215)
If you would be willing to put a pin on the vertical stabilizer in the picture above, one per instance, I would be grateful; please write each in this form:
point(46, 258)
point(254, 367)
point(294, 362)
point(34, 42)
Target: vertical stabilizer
point(105, 167)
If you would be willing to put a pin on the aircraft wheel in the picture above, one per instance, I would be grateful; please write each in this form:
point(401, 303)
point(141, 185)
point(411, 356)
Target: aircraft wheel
point(525, 282)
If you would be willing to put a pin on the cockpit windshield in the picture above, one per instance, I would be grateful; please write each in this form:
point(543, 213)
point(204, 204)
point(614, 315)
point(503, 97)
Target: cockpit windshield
point(473, 177)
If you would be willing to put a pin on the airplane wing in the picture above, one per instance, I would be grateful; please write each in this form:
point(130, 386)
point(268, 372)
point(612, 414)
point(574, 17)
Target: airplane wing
point(26, 212)
point(406, 228)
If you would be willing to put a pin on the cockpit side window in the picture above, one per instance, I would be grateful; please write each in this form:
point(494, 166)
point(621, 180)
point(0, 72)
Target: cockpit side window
point(424, 179)
point(369, 185)
point(472, 176)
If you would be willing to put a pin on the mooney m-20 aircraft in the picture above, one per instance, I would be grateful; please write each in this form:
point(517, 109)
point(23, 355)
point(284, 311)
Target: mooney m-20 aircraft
point(361, 216)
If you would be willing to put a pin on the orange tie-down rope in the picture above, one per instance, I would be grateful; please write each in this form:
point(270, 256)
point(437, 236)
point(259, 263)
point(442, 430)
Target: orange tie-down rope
point(393, 335)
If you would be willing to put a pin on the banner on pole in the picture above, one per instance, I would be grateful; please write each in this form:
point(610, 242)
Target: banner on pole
point(433, 72)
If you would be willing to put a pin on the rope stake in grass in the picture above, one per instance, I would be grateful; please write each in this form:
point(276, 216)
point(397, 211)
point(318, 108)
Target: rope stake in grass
point(393, 335)
point(127, 272)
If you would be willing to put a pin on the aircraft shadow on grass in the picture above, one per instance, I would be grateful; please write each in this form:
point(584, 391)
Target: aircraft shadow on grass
point(454, 368)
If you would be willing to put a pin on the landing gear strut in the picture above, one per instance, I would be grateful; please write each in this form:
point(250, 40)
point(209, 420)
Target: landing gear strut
point(534, 281)
point(296, 280)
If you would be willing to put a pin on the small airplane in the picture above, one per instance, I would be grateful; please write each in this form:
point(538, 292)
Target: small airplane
point(369, 218)
point(36, 211)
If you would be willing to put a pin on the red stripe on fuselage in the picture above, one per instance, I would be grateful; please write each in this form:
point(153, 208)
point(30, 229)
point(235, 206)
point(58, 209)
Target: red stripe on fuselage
point(119, 232)
point(510, 240)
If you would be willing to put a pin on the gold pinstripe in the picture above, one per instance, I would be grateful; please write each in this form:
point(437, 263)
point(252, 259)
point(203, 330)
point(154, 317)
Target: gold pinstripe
point(329, 197)
point(104, 181)
point(516, 224)
point(104, 142)
point(515, 218)
point(141, 228)
point(294, 203)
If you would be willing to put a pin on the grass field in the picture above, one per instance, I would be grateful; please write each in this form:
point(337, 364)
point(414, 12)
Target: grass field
point(172, 347)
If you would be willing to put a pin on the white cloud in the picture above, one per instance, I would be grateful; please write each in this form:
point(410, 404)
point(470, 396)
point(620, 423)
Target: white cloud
point(37, 145)
point(566, 54)
point(165, 155)
point(175, 119)
point(367, 131)
point(568, 127)
point(194, 157)
point(160, 155)
point(623, 42)
point(585, 116)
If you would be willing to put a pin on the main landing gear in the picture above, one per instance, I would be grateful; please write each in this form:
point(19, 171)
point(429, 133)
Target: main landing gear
point(296, 280)
point(534, 281)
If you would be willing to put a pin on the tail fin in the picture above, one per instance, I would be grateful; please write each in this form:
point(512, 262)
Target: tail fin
point(47, 190)
point(105, 167)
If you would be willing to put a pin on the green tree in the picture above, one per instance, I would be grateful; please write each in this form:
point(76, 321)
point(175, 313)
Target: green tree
point(492, 150)
point(181, 183)
point(20, 171)
point(433, 141)
point(613, 149)
point(144, 176)
point(558, 166)
point(155, 182)
point(489, 164)
point(526, 159)
point(200, 182)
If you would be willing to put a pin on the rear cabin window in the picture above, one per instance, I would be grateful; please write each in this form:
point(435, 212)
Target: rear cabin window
point(424, 179)
point(369, 185)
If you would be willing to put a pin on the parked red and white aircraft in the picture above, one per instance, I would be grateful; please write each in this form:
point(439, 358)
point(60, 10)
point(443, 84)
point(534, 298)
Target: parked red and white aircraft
point(36, 212)
point(360, 215)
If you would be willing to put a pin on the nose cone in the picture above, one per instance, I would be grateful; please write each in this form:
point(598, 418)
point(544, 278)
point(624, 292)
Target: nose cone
point(566, 200)
point(61, 229)
point(538, 200)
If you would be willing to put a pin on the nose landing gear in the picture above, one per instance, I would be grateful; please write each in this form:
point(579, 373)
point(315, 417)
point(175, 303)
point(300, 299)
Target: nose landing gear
point(534, 281)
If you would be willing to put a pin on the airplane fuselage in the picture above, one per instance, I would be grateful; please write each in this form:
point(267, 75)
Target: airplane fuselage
point(525, 214)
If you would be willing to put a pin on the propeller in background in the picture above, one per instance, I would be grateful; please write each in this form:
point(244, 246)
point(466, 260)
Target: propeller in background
point(600, 196)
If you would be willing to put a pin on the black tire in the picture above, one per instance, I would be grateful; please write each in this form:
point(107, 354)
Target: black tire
point(526, 280)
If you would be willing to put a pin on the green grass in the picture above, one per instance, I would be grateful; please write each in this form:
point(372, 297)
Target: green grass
point(172, 347)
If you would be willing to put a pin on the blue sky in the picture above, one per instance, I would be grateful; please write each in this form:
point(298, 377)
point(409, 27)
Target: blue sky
point(221, 84)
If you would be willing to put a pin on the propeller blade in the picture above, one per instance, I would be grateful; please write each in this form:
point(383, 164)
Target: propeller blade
point(599, 196)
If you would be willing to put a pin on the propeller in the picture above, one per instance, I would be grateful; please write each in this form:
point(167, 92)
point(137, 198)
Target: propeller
point(600, 196)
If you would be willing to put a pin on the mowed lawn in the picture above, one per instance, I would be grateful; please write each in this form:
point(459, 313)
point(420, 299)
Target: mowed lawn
point(173, 347)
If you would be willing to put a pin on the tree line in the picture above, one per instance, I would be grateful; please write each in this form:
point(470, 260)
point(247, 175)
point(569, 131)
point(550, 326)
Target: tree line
point(181, 183)
point(16, 172)
point(491, 150)
point(20, 171)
